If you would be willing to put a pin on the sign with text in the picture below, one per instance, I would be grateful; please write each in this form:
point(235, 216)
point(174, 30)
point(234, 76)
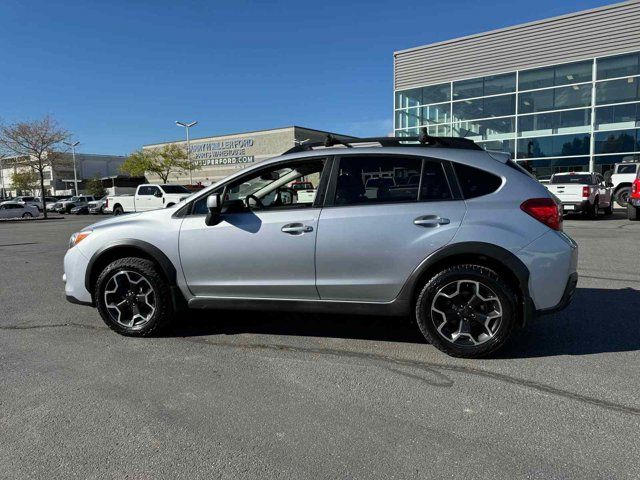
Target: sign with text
point(223, 152)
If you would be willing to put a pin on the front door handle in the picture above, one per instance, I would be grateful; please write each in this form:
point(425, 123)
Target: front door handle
point(430, 221)
point(296, 228)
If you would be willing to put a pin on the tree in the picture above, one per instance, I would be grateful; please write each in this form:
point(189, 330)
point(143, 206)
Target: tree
point(95, 187)
point(161, 161)
point(26, 180)
point(37, 144)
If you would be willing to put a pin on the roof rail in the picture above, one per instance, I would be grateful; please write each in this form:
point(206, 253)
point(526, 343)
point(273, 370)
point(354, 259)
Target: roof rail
point(424, 139)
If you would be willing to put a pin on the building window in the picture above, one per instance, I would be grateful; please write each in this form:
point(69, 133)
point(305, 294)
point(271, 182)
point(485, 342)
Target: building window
point(626, 116)
point(436, 93)
point(617, 141)
point(618, 66)
point(554, 146)
point(555, 76)
point(408, 118)
point(501, 106)
point(409, 98)
point(616, 91)
point(555, 99)
point(568, 121)
point(492, 129)
point(507, 146)
point(440, 113)
point(479, 87)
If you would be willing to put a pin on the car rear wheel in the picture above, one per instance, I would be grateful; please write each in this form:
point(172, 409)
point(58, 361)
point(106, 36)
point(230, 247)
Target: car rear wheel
point(27, 215)
point(609, 209)
point(633, 213)
point(133, 297)
point(466, 311)
point(117, 210)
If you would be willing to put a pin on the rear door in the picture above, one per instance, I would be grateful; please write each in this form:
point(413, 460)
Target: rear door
point(370, 240)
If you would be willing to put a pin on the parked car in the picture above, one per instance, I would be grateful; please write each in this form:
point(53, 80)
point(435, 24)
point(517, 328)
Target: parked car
point(621, 177)
point(633, 205)
point(97, 207)
point(582, 192)
point(147, 197)
point(475, 253)
point(18, 210)
point(28, 200)
point(65, 206)
point(55, 204)
point(80, 210)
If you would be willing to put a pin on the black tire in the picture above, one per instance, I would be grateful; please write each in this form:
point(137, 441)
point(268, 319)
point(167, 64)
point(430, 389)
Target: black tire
point(622, 195)
point(473, 273)
point(609, 209)
point(160, 296)
point(594, 209)
point(170, 205)
point(68, 208)
point(26, 215)
point(117, 210)
point(633, 213)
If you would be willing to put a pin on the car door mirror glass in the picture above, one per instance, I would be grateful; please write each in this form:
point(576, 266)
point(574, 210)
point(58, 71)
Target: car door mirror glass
point(214, 207)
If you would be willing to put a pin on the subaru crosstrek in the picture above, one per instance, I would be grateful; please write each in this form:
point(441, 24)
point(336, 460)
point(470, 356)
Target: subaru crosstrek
point(462, 240)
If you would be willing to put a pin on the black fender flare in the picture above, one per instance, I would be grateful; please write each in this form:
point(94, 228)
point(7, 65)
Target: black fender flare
point(494, 253)
point(148, 249)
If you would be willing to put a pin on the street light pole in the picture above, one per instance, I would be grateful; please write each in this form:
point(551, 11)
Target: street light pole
point(187, 126)
point(75, 173)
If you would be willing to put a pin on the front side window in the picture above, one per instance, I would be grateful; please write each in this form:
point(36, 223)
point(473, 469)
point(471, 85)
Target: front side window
point(270, 189)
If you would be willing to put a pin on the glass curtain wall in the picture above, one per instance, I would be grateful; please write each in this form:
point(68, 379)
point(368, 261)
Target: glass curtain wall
point(551, 119)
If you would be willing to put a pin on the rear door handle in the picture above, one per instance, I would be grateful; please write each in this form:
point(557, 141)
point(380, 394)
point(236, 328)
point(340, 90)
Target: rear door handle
point(430, 221)
point(296, 228)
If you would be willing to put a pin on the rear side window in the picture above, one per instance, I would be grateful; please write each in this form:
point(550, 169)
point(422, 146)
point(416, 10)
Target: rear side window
point(475, 182)
point(389, 179)
point(629, 168)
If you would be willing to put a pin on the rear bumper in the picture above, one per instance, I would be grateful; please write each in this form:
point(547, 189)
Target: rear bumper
point(634, 201)
point(567, 296)
point(570, 207)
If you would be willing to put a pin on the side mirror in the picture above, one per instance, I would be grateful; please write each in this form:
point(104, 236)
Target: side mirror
point(158, 194)
point(214, 205)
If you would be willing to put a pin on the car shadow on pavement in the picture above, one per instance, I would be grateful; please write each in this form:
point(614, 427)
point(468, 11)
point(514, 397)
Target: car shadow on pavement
point(597, 321)
point(235, 322)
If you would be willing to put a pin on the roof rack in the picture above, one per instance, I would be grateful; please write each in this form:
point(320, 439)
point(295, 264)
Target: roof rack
point(424, 139)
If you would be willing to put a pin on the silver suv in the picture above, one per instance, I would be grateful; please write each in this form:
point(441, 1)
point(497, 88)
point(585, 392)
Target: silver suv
point(463, 241)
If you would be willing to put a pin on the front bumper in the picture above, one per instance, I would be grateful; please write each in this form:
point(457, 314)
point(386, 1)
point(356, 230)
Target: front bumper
point(75, 266)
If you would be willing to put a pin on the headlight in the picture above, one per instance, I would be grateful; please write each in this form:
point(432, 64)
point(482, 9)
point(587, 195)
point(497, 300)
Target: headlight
point(77, 237)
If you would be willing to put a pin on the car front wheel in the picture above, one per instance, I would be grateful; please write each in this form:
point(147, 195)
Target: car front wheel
point(466, 311)
point(133, 297)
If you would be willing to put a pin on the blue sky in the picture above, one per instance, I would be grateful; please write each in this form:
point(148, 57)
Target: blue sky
point(118, 73)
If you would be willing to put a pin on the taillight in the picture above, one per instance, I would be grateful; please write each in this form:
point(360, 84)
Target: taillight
point(586, 191)
point(106, 203)
point(634, 188)
point(545, 210)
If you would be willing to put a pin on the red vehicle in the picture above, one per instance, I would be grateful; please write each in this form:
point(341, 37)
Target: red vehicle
point(633, 207)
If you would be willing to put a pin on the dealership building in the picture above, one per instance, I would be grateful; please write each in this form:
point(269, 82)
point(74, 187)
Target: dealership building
point(558, 94)
point(215, 158)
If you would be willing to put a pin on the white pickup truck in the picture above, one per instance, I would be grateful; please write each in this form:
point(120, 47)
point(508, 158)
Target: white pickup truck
point(622, 176)
point(147, 197)
point(584, 192)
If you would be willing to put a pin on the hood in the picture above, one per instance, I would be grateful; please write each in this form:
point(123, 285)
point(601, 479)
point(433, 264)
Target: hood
point(128, 218)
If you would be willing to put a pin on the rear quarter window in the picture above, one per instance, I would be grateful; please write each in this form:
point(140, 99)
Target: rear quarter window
point(475, 182)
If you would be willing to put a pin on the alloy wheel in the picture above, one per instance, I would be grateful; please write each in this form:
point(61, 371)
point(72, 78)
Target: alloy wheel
point(466, 312)
point(130, 299)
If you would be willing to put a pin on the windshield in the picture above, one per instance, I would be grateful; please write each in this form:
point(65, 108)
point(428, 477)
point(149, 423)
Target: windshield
point(174, 189)
point(74, 199)
point(573, 178)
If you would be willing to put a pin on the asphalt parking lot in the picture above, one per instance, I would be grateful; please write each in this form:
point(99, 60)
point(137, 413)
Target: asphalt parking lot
point(257, 395)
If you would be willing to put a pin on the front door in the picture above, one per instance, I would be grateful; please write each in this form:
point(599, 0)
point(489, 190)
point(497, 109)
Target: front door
point(264, 243)
point(385, 214)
